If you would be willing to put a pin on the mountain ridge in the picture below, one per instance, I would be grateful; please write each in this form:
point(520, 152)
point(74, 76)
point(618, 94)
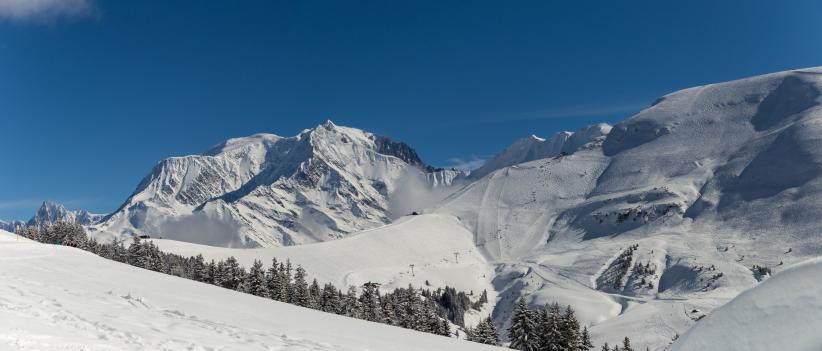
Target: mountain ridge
point(321, 184)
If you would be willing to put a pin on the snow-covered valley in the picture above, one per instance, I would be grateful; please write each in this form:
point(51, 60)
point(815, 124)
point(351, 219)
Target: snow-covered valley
point(646, 228)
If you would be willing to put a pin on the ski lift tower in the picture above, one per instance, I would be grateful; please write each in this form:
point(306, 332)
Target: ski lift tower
point(412, 270)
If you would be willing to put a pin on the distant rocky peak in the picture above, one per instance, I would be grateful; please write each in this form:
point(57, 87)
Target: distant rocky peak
point(51, 212)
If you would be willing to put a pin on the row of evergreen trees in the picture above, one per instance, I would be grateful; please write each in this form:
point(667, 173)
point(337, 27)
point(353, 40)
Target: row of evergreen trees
point(422, 310)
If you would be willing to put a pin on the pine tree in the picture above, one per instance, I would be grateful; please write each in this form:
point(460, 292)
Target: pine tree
point(605, 347)
point(233, 274)
point(389, 315)
point(626, 344)
point(370, 301)
point(586, 340)
point(255, 282)
point(272, 280)
point(445, 328)
point(210, 272)
point(350, 304)
point(485, 333)
point(550, 335)
point(314, 295)
point(522, 332)
point(135, 253)
point(330, 301)
point(571, 338)
point(286, 288)
point(300, 295)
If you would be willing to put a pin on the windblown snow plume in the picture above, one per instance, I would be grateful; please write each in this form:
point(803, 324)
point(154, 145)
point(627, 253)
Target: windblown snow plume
point(415, 192)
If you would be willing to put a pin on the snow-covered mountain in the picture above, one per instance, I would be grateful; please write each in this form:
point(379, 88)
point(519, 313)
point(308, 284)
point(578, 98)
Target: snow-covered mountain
point(51, 212)
point(11, 226)
point(535, 148)
point(267, 190)
point(650, 226)
point(698, 188)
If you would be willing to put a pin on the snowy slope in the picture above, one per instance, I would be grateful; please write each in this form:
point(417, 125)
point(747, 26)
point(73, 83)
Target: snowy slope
point(535, 148)
point(266, 190)
point(381, 255)
point(66, 299)
point(707, 182)
point(782, 313)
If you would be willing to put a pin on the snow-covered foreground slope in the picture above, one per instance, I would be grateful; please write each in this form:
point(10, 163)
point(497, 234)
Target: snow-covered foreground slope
point(62, 298)
point(783, 313)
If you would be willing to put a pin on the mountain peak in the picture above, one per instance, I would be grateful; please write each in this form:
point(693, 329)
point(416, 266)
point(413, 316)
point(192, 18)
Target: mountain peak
point(51, 211)
point(534, 147)
point(328, 124)
point(323, 183)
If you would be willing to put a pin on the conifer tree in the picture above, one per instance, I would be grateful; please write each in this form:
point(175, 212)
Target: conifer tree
point(234, 274)
point(389, 315)
point(485, 333)
point(370, 300)
point(210, 272)
point(286, 288)
point(626, 344)
point(351, 305)
point(522, 332)
point(550, 329)
point(300, 294)
point(255, 282)
point(571, 338)
point(272, 280)
point(198, 268)
point(314, 295)
point(586, 340)
point(135, 253)
point(330, 301)
point(445, 328)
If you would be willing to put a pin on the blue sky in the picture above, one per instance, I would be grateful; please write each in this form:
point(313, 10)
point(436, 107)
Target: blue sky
point(93, 93)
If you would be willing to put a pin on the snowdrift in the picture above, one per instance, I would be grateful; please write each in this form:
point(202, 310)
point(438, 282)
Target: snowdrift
point(782, 313)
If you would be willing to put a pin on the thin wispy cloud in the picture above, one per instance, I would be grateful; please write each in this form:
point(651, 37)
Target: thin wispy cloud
point(45, 11)
point(18, 204)
point(15, 204)
point(579, 111)
point(467, 164)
